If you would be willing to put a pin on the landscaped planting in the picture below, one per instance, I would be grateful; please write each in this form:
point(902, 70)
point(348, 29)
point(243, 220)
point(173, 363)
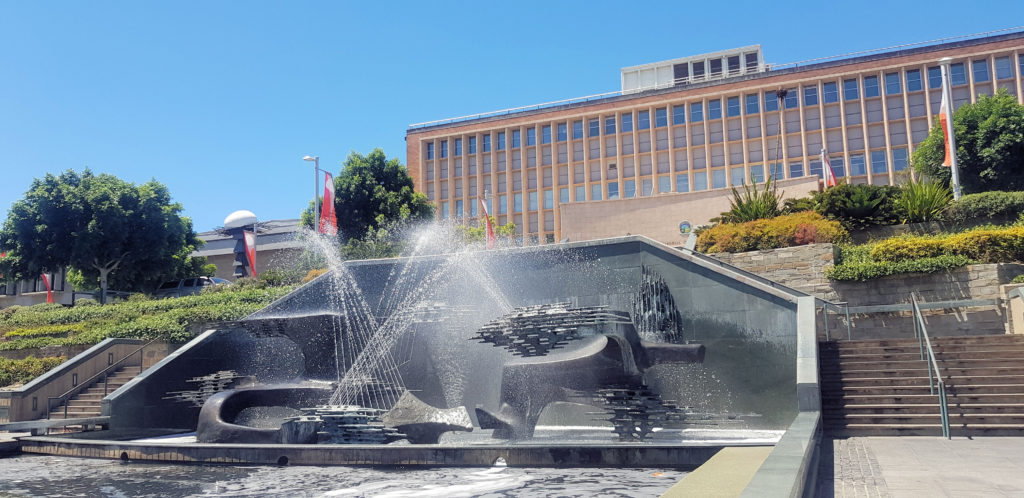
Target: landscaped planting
point(24, 370)
point(165, 319)
point(782, 231)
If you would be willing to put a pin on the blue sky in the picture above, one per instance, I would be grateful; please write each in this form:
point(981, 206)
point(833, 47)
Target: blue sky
point(220, 100)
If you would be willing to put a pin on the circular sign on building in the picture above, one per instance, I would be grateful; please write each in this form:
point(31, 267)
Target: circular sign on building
point(685, 227)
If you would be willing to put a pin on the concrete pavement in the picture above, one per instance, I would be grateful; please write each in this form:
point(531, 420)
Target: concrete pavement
point(922, 467)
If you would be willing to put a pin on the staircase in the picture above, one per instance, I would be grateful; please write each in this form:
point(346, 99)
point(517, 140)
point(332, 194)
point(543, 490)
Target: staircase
point(880, 387)
point(87, 403)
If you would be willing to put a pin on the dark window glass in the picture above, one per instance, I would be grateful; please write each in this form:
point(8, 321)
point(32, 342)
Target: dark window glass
point(871, 86)
point(627, 123)
point(545, 134)
point(516, 138)
point(753, 104)
point(792, 99)
point(1003, 68)
point(734, 64)
point(980, 69)
point(472, 145)
point(752, 62)
point(696, 112)
point(501, 140)
point(715, 67)
point(531, 136)
point(934, 78)
point(430, 150)
point(771, 102)
point(732, 107)
point(593, 128)
point(830, 92)
point(577, 129)
point(698, 70)
point(643, 120)
point(609, 125)
point(660, 117)
point(678, 114)
point(810, 95)
point(458, 146)
point(914, 81)
point(487, 143)
point(714, 109)
point(958, 74)
point(892, 84)
point(850, 90)
point(562, 132)
point(681, 72)
point(444, 148)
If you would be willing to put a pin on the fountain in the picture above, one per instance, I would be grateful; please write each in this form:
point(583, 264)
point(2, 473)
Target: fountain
point(479, 354)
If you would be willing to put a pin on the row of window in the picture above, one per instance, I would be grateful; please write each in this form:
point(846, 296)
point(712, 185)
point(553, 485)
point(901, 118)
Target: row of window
point(737, 176)
point(830, 93)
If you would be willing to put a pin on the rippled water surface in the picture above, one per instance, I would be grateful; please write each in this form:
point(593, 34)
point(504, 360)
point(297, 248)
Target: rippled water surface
point(60, 476)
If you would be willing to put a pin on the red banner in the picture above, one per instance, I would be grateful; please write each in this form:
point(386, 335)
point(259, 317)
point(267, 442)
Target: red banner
point(328, 222)
point(491, 239)
point(49, 291)
point(250, 250)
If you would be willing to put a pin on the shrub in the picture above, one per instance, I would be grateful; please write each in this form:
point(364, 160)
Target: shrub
point(922, 200)
point(753, 204)
point(867, 270)
point(800, 204)
point(24, 370)
point(1019, 279)
point(859, 206)
point(275, 277)
point(86, 302)
point(312, 274)
point(208, 270)
point(995, 205)
point(990, 245)
point(46, 331)
point(782, 231)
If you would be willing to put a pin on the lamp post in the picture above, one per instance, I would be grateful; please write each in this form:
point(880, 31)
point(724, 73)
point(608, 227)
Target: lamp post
point(316, 187)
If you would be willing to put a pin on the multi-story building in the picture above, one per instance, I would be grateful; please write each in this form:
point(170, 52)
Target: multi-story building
point(680, 133)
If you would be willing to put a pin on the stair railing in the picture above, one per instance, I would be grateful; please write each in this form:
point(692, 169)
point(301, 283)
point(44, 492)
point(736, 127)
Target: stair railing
point(837, 308)
point(935, 379)
point(64, 398)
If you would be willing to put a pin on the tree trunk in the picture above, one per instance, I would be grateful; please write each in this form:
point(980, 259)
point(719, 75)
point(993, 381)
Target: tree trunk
point(103, 285)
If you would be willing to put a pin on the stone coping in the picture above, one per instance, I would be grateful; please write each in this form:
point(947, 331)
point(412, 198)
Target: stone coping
point(791, 468)
point(690, 455)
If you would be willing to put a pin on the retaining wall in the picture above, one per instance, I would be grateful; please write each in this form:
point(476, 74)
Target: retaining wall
point(803, 268)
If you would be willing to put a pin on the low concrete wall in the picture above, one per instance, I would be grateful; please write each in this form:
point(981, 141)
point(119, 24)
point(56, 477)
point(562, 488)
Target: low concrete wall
point(658, 216)
point(1014, 307)
point(803, 267)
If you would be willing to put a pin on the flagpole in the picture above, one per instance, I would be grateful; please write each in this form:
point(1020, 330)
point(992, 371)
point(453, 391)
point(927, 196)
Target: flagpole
point(947, 99)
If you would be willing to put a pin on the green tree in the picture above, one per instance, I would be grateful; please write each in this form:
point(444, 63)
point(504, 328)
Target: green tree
point(478, 233)
point(107, 229)
point(989, 146)
point(373, 192)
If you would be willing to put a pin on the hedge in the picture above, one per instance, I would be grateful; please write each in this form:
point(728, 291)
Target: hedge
point(992, 206)
point(857, 264)
point(990, 245)
point(165, 319)
point(782, 231)
point(24, 370)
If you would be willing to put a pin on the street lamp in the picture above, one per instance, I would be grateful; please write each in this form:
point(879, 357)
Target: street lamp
point(316, 186)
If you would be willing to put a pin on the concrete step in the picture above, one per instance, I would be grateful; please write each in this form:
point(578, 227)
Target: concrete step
point(904, 408)
point(954, 376)
point(915, 389)
point(958, 419)
point(924, 430)
point(913, 399)
point(1013, 350)
point(83, 403)
point(957, 340)
point(996, 359)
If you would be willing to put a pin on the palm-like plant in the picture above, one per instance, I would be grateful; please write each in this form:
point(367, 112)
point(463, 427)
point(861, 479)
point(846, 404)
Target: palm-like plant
point(922, 200)
point(753, 204)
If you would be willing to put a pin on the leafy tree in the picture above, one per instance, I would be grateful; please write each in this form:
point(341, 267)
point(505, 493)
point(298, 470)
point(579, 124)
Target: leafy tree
point(478, 233)
point(989, 146)
point(373, 192)
point(131, 236)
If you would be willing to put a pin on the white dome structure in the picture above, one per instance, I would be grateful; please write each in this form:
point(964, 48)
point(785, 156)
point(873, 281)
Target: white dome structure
point(240, 218)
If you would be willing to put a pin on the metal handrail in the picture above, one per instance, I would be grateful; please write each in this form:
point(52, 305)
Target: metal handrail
point(91, 380)
point(843, 307)
point(925, 343)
